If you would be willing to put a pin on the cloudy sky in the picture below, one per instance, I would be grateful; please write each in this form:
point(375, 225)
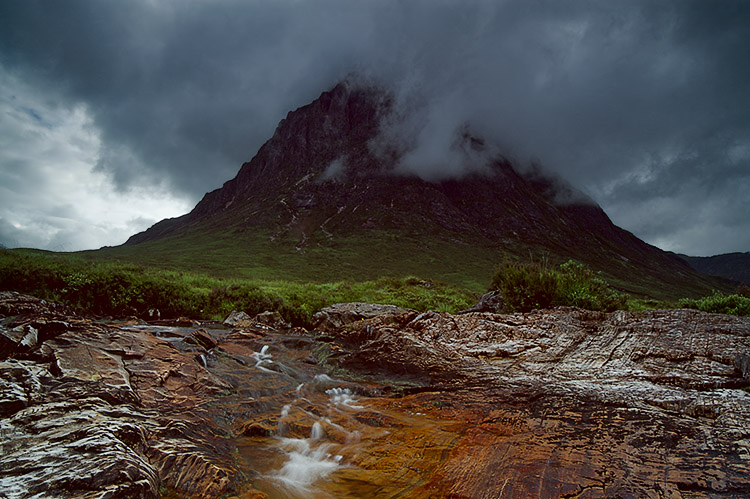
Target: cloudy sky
point(114, 115)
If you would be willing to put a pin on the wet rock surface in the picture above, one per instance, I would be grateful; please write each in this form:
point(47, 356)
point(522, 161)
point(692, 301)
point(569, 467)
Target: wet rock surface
point(94, 410)
point(572, 403)
point(560, 403)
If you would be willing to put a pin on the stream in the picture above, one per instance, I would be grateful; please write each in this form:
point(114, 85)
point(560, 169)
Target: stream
point(300, 432)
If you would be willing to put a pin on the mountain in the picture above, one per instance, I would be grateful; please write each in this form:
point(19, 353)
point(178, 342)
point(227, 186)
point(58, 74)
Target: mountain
point(325, 199)
point(734, 266)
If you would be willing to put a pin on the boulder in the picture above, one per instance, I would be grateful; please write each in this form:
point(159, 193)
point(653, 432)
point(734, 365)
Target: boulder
point(238, 319)
point(17, 339)
point(490, 302)
point(24, 335)
point(341, 314)
point(184, 322)
point(202, 338)
point(272, 320)
point(742, 364)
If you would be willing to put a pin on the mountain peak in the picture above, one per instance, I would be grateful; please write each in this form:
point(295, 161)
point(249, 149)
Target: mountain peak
point(333, 175)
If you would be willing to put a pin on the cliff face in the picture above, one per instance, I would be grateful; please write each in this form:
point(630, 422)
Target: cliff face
point(554, 403)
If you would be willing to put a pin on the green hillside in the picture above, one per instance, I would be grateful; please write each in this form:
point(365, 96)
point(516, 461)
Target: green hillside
point(240, 253)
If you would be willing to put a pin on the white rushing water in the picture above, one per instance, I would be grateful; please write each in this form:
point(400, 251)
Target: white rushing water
point(262, 359)
point(343, 397)
point(307, 462)
point(313, 458)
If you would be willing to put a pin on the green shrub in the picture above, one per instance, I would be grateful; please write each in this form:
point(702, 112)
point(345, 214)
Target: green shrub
point(525, 286)
point(579, 286)
point(528, 286)
point(99, 289)
point(719, 303)
point(634, 304)
point(224, 298)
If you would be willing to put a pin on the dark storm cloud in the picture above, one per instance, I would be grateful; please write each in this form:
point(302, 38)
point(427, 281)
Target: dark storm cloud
point(639, 103)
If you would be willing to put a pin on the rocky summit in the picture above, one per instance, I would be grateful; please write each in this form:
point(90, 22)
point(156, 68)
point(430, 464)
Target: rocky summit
point(380, 402)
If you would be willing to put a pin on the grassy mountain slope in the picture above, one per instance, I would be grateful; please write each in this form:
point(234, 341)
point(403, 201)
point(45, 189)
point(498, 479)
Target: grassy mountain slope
point(222, 247)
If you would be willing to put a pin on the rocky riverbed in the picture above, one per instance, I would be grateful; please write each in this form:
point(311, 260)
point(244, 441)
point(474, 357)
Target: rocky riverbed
point(375, 403)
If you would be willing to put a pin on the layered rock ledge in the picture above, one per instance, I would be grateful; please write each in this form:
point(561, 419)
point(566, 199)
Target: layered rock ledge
point(573, 403)
point(90, 410)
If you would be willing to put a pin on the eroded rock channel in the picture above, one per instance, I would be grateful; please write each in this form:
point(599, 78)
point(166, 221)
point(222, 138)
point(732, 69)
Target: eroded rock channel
point(557, 403)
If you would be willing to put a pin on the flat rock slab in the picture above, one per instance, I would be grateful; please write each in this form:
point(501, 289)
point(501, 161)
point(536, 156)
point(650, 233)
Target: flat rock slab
point(340, 314)
point(554, 403)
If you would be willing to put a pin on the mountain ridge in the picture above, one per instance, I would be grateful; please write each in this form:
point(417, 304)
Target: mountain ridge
point(734, 266)
point(349, 108)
